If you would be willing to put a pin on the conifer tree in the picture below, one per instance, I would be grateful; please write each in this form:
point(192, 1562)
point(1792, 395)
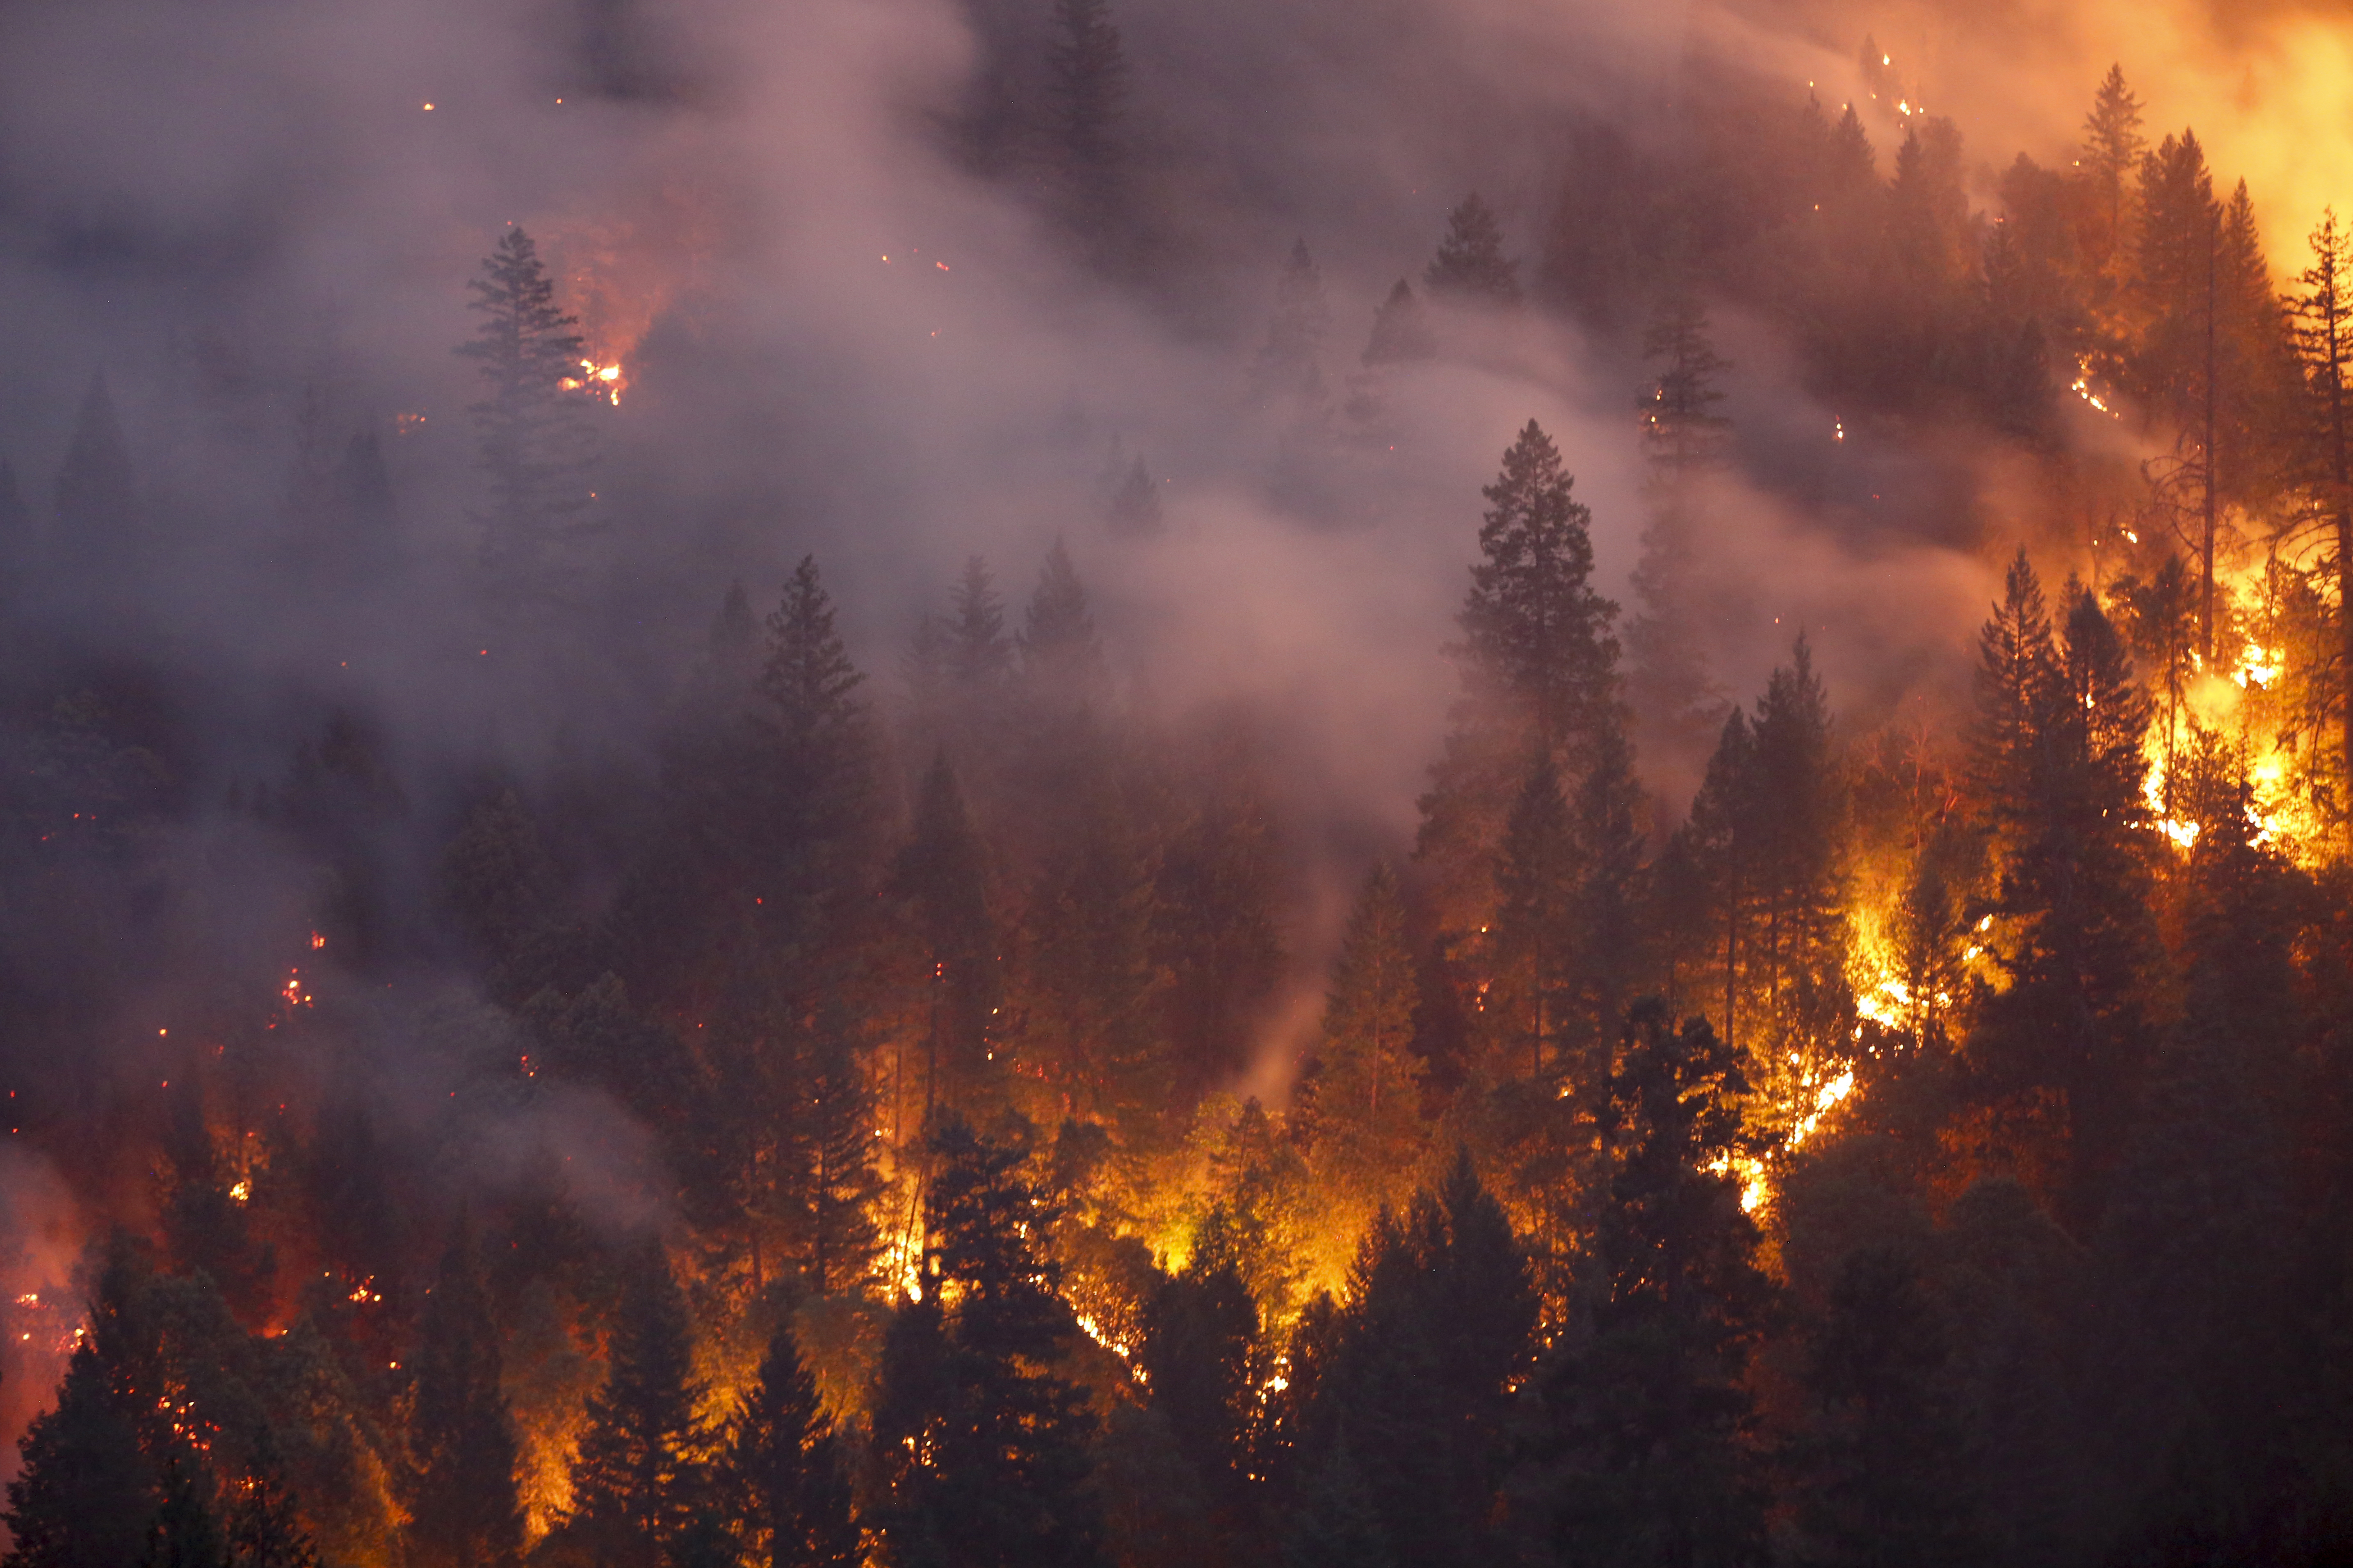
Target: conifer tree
point(1062, 658)
point(940, 875)
point(2059, 771)
point(462, 1504)
point(835, 1186)
point(1881, 1464)
point(638, 1481)
point(1087, 111)
point(2112, 150)
point(1288, 374)
point(980, 654)
point(98, 538)
point(1400, 333)
point(1363, 1097)
point(1674, 699)
point(84, 1496)
point(2323, 315)
point(1200, 1331)
point(1414, 1379)
point(533, 440)
point(186, 1532)
point(1806, 1010)
point(1535, 885)
point(981, 1448)
point(1470, 264)
point(263, 1526)
point(785, 1471)
point(1648, 1412)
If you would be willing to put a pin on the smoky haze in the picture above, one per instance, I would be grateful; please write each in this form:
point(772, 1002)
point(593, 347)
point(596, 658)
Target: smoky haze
point(255, 222)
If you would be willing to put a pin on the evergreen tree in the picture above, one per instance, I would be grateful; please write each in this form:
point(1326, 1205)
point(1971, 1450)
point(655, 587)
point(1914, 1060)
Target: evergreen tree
point(2059, 773)
point(533, 438)
point(1134, 506)
point(1470, 264)
point(1667, 675)
point(981, 1448)
point(1880, 1466)
point(1288, 374)
point(832, 1229)
point(263, 1526)
point(637, 1482)
point(1200, 1333)
point(1646, 1455)
point(462, 1504)
point(84, 1496)
point(1062, 658)
point(1401, 332)
point(1535, 885)
point(940, 875)
point(980, 654)
point(99, 538)
point(1805, 1011)
point(1361, 1097)
point(2323, 313)
point(2112, 150)
point(1087, 111)
point(185, 1533)
point(1415, 1382)
point(786, 1471)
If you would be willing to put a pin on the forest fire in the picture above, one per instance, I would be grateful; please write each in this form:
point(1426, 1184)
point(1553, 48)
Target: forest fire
point(1384, 1004)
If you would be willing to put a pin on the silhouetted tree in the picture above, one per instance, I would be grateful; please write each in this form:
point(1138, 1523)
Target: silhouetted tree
point(1469, 265)
point(534, 442)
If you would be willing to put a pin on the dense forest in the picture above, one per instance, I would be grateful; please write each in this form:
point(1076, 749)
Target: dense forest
point(830, 1105)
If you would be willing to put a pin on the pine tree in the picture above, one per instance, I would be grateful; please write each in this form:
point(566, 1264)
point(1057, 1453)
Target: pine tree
point(836, 1185)
point(463, 1509)
point(1534, 884)
point(1682, 435)
point(787, 1472)
point(1362, 1099)
point(2112, 150)
point(1400, 333)
point(2058, 777)
point(980, 654)
point(84, 1496)
point(185, 1533)
point(1414, 1378)
point(1200, 1333)
point(1649, 1415)
point(535, 443)
point(940, 875)
point(1881, 1464)
point(99, 538)
point(1470, 264)
point(1087, 111)
point(263, 1526)
point(1288, 374)
point(982, 1449)
point(637, 1482)
point(1062, 658)
point(1806, 1013)
point(1534, 632)
point(2322, 314)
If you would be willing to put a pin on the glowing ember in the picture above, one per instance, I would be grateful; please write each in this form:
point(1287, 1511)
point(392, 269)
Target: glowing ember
point(239, 1190)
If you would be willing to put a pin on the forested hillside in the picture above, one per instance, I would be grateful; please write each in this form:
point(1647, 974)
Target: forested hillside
point(533, 1031)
